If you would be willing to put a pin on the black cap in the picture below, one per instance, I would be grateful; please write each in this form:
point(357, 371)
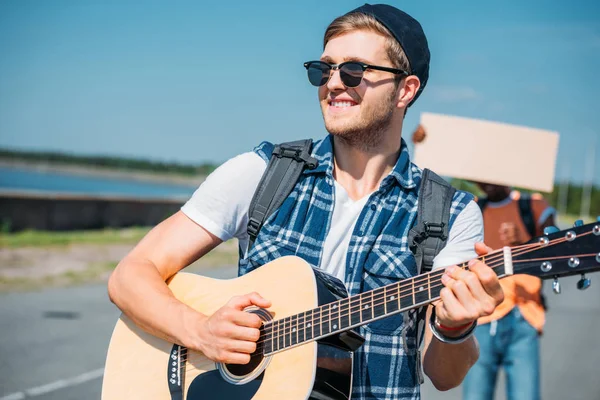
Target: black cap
point(408, 32)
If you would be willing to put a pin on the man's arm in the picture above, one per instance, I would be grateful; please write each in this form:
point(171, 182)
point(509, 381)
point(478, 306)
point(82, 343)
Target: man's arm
point(467, 295)
point(463, 300)
point(216, 212)
point(138, 288)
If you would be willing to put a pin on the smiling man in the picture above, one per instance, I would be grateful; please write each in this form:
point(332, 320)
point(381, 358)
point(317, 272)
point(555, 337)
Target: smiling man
point(350, 216)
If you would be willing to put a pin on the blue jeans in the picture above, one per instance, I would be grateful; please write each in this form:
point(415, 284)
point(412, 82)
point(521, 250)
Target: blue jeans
point(511, 343)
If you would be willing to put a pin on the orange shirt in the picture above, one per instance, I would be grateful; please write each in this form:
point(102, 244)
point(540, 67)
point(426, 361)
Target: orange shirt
point(519, 290)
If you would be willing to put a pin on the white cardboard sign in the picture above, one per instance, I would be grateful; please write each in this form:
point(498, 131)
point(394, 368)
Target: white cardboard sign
point(486, 151)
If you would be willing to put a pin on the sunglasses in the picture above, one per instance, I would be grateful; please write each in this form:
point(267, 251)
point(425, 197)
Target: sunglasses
point(351, 72)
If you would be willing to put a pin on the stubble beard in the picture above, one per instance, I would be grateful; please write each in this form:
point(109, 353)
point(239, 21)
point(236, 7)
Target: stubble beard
point(368, 132)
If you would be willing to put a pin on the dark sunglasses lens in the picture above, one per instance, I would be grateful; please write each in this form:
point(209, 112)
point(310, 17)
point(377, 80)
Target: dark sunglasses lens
point(318, 73)
point(351, 74)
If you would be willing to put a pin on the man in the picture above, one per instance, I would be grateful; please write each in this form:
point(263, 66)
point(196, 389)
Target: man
point(509, 337)
point(349, 216)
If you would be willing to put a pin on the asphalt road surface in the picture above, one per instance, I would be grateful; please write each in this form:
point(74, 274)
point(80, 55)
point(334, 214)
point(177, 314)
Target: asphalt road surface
point(54, 343)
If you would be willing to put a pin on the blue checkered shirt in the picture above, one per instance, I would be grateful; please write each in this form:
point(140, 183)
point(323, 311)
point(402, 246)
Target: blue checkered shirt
point(385, 367)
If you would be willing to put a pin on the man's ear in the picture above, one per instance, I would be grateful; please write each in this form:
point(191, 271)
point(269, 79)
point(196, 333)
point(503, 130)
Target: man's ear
point(407, 90)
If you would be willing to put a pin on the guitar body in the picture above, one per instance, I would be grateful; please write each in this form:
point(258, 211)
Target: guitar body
point(140, 366)
point(307, 340)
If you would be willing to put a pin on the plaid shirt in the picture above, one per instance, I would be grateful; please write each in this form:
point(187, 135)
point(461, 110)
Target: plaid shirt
point(385, 367)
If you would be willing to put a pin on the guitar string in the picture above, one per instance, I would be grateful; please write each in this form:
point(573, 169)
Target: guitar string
point(492, 256)
point(527, 249)
point(334, 315)
point(190, 366)
point(280, 335)
point(285, 340)
point(384, 291)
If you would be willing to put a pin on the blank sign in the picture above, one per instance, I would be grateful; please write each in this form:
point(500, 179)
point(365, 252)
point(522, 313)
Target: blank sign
point(486, 151)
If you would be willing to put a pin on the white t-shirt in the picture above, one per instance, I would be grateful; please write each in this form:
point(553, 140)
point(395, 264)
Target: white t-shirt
point(220, 205)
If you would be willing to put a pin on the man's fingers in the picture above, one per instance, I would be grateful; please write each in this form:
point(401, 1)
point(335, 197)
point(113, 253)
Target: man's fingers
point(488, 279)
point(466, 282)
point(241, 346)
point(451, 308)
point(246, 319)
point(251, 299)
point(482, 249)
point(244, 333)
point(234, 358)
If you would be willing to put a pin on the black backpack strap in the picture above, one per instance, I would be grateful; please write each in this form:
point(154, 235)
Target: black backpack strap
point(283, 171)
point(427, 238)
point(527, 214)
point(430, 233)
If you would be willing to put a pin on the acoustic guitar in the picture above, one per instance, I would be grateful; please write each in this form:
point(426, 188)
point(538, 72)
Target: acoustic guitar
point(307, 337)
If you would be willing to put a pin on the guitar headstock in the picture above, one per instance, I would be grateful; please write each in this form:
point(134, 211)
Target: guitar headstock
point(557, 253)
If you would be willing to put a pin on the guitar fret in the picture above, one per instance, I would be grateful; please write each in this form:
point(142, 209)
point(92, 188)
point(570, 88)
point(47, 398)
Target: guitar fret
point(420, 291)
point(436, 289)
point(429, 284)
point(268, 339)
point(316, 323)
point(367, 307)
point(301, 327)
point(324, 320)
point(285, 333)
point(392, 301)
point(406, 300)
point(345, 313)
point(308, 328)
point(280, 335)
point(273, 335)
point(385, 299)
point(293, 330)
point(379, 308)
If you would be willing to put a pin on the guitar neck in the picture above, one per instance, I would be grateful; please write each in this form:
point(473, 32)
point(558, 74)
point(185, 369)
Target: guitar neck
point(342, 315)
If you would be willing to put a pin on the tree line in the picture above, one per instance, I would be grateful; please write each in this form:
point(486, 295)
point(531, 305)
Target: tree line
point(121, 163)
point(573, 204)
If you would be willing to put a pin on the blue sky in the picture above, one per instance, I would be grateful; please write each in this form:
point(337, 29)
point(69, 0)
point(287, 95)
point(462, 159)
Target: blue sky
point(195, 81)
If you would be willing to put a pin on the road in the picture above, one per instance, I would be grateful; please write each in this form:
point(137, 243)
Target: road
point(54, 343)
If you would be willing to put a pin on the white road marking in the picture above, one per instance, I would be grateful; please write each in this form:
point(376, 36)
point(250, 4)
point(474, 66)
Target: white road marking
point(56, 385)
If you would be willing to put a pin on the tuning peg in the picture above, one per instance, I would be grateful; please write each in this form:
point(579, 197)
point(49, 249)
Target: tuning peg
point(584, 282)
point(556, 286)
point(550, 229)
point(577, 223)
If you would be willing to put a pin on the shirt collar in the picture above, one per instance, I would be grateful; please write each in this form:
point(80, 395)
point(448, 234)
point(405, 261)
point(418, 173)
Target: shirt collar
point(402, 172)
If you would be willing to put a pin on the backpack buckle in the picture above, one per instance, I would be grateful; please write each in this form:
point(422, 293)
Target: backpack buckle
point(253, 227)
point(435, 230)
point(296, 154)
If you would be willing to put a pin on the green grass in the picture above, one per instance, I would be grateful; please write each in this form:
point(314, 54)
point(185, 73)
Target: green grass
point(47, 238)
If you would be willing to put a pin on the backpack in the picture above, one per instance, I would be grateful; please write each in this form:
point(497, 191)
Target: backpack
point(525, 211)
point(426, 239)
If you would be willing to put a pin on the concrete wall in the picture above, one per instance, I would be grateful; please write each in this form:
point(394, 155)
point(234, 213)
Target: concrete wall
point(57, 212)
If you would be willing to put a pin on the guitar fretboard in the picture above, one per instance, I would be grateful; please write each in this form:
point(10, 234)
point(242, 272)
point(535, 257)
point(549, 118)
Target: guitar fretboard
point(354, 311)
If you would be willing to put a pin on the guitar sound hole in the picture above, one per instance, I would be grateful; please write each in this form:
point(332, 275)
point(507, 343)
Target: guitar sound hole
point(242, 373)
point(241, 370)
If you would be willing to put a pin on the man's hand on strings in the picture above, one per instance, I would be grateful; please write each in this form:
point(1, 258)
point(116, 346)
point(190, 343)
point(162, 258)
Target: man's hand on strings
point(230, 335)
point(468, 293)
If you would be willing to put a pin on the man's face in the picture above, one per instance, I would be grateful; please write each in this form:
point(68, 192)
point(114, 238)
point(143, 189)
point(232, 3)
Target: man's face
point(359, 114)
